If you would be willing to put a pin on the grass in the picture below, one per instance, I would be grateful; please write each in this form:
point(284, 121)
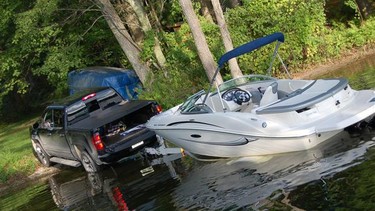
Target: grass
point(17, 159)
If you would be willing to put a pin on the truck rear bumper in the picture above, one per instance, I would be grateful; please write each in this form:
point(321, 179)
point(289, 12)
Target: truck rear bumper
point(114, 153)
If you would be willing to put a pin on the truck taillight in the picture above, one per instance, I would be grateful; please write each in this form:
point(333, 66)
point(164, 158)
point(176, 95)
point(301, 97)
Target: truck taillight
point(158, 108)
point(97, 141)
point(88, 96)
point(118, 197)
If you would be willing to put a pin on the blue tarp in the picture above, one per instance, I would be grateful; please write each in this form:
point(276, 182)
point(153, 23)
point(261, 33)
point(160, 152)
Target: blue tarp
point(123, 81)
point(250, 46)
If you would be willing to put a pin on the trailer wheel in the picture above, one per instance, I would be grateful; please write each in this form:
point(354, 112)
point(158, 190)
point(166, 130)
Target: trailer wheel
point(88, 163)
point(42, 156)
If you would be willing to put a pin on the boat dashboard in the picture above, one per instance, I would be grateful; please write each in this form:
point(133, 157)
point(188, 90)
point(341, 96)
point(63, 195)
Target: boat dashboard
point(228, 96)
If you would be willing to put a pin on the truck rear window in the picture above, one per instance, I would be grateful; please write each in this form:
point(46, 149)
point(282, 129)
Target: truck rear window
point(97, 101)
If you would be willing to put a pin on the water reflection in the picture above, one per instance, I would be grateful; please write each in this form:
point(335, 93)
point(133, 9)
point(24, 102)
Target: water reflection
point(126, 186)
point(249, 182)
point(81, 191)
point(360, 73)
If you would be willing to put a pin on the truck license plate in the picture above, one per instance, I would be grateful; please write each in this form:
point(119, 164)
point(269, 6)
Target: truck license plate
point(137, 144)
point(147, 171)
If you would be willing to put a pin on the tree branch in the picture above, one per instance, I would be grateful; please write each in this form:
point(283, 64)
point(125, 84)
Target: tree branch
point(91, 25)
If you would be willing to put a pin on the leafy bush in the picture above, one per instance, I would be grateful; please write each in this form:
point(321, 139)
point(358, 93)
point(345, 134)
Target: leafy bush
point(41, 44)
point(259, 18)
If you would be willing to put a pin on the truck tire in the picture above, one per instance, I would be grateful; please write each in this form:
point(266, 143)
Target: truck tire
point(88, 163)
point(42, 156)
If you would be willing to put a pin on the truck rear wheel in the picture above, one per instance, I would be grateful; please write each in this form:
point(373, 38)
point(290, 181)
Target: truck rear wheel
point(43, 157)
point(88, 163)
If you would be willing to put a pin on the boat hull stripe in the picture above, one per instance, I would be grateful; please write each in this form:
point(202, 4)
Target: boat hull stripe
point(239, 142)
point(194, 122)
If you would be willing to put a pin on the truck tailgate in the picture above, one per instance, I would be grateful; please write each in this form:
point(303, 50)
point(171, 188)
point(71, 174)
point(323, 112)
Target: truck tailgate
point(118, 138)
point(136, 140)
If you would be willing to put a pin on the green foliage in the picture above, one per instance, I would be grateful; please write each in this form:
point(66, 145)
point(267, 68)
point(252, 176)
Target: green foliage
point(45, 39)
point(171, 12)
point(213, 37)
point(148, 46)
point(259, 18)
point(308, 40)
point(171, 87)
point(341, 38)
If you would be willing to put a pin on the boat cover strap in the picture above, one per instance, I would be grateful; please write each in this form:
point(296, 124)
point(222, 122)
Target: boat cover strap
point(315, 92)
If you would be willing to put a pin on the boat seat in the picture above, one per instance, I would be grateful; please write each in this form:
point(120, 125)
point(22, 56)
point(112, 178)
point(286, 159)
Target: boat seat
point(305, 97)
point(270, 95)
point(256, 96)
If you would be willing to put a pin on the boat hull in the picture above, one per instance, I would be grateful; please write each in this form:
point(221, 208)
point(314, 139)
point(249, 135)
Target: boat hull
point(222, 144)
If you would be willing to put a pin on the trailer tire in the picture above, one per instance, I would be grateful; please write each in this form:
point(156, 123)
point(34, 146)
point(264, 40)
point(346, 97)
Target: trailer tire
point(88, 163)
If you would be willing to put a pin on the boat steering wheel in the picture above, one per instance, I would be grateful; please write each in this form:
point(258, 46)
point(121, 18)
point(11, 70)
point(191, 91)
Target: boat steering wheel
point(236, 95)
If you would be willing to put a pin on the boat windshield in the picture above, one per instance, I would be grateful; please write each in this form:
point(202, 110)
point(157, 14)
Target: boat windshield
point(244, 80)
point(191, 101)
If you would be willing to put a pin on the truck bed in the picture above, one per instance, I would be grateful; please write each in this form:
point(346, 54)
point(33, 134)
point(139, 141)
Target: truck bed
point(103, 117)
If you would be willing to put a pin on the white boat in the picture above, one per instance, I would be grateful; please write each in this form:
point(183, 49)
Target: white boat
point(259, 115)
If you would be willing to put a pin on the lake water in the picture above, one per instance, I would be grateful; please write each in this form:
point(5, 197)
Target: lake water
point(339, 174)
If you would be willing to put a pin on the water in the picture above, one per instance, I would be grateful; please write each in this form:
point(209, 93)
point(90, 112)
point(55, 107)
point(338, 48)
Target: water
point(360, 73)
point(133, 184)
point(338, 174)
point(249, 182)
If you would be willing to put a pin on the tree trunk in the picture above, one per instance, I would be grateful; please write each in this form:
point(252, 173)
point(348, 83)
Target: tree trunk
point(130, 48)
point(205, 10)
point(235, 71)
point(146, 26)
point(127, 13)
point(200, 41)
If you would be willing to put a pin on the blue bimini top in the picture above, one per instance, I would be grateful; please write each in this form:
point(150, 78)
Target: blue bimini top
point(250, 46)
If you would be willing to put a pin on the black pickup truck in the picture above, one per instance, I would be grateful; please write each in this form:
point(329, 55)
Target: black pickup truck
point(92, 128)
